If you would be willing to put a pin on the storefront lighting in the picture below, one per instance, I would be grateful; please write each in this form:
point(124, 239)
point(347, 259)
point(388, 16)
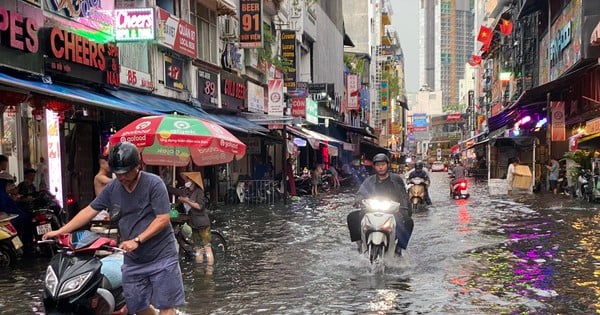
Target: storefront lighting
point(541, 123)
point(524, 120)
point(505, 76)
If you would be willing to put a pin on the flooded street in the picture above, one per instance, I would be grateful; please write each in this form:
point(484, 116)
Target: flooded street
point(534, 254)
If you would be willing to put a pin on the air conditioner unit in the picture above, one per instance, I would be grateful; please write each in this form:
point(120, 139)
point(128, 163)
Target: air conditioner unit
point(229, 27)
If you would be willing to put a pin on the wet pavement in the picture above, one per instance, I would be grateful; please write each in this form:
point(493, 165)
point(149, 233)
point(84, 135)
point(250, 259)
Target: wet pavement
point(534, 254)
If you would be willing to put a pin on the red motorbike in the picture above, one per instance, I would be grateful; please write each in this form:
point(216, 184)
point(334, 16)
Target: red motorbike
point(459, 189)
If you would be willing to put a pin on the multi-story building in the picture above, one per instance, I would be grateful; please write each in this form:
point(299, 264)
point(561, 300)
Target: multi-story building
point(446, 44)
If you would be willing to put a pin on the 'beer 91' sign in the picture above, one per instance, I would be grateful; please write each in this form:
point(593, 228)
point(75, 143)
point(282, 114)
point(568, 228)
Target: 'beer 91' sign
point(251, 24)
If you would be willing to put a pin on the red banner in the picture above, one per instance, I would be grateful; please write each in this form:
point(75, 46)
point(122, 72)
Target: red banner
point(175, 34)
point(558, 121)
point(299, 107)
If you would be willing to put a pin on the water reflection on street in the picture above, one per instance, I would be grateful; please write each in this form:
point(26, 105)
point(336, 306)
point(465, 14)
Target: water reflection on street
point(485, 255)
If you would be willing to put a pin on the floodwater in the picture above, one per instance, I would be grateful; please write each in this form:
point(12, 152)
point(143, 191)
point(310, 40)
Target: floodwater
point(535, 254)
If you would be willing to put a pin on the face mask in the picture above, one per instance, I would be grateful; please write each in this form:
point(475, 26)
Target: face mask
point(188, 184)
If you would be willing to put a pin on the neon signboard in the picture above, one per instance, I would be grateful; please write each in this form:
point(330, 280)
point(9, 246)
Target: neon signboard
point(134, 24)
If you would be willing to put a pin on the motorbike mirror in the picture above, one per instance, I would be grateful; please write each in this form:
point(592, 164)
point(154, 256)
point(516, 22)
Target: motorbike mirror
point(115, 213)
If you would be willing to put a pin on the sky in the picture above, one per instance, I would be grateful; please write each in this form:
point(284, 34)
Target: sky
point(405, 20)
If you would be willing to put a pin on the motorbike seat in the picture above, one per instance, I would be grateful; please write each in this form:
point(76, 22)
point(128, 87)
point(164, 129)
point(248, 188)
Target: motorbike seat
point(111, 269)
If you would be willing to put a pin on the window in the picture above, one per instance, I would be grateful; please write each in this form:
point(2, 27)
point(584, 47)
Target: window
point(173, 6)
point(205, 21)
point(134, 55)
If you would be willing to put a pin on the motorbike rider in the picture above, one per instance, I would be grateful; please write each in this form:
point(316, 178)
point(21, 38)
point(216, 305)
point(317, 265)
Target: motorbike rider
point(420, 172)
point(458, 171)
point(388, 186)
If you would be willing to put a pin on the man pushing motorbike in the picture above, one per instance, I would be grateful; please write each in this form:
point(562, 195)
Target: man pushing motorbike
point(386, 186)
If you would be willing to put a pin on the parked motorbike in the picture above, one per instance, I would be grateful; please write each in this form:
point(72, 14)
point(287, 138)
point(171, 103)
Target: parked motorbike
point(585, 182)
point(458, 189)
point(43, 221)
point(78, 281)
point(303, 185)
point(11, 247)
point(416, 192)
point(378, 229)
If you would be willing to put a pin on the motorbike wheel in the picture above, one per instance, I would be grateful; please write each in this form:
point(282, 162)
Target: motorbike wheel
point(218, 244)
point(376, 253)
point(414, 207)
point(7, 257)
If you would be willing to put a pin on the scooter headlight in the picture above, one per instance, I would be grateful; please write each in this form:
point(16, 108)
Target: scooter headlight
point(74, 284)
point(51, 281)
point(380, 205)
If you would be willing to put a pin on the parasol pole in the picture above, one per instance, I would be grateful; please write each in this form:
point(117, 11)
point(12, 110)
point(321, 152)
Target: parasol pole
point(173, 179)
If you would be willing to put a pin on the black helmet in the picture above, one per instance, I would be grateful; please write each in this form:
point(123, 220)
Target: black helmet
point(419, 165)
point(381, 157)
point(123, 157)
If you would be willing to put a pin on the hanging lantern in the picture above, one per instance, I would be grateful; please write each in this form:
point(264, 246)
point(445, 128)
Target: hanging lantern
point(38, 114)
point(11, 98)
point(58, 106)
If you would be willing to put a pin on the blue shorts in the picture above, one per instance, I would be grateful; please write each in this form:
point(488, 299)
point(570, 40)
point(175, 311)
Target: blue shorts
point(158, 283)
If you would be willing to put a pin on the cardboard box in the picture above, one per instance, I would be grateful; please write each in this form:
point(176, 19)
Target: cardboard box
point(522, 179)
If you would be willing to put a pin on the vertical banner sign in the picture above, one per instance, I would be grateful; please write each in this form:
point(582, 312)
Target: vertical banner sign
point(384, 94)
point(558, 121)
point(352, 84)
point(251, 24)
point(288, 53)
point(275, 97)
point(299, 107)
point(54, 159)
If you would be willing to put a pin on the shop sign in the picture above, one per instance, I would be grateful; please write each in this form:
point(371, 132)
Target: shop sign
point(352, 86)
point(301, 90)
point(256, 98)
point(253, 145)
point(134, 24)
point(288, 54)
point(312, 111)
point(561, 47)
point(207, 87)
point(175, 34)
point(233, 91)
point(19, 42)
point(275, 105)
point(453, 117)
point(592, 126)
point(174, 73)
point(299, 107)
point(137, 79)
point(93, 14)
point(75, 56)
point(251, 24)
